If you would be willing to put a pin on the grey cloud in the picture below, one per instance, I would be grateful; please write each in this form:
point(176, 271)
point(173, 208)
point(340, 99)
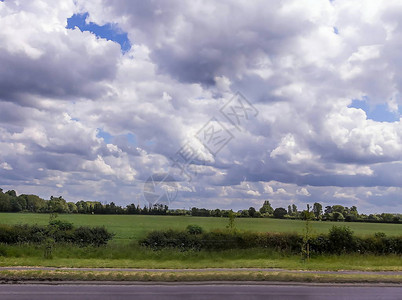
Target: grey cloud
point(284, 57)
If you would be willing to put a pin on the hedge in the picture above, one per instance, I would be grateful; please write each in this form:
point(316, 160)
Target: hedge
point(339, 240)
point(60, 232)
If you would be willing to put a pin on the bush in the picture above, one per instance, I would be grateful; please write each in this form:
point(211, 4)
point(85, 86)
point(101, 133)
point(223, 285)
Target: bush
point(341, 239)
point(90, 236)
point(61, 225)
point(61, 232)
point(194, 229)
point(170, 239)
point(221, 240)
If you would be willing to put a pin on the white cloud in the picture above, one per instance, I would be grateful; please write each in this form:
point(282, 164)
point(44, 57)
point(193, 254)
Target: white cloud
point(303, 192)
point(6, 166)
point(59, 86)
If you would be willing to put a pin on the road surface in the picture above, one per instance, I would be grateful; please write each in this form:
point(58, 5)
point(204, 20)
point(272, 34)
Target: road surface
point(232, 291)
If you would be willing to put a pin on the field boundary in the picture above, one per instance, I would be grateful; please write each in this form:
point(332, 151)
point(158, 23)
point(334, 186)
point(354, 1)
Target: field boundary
point(196, 283)
point(201, 270)
point(61, 275)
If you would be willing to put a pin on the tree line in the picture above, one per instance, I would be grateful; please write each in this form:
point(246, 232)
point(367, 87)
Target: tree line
point(11, 202)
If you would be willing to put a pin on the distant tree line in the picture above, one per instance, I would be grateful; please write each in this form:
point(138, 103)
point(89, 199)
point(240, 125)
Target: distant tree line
point(11, 202)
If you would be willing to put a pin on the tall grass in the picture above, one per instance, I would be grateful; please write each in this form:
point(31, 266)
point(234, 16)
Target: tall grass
point(133, 256)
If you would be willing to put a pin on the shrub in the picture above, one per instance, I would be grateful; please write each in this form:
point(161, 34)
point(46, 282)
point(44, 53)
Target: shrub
point(341, 239)
point(61, 225)
point(59, 232)
point(170, 239)
point(90, 236)
point(194, 229)
point(221, 240)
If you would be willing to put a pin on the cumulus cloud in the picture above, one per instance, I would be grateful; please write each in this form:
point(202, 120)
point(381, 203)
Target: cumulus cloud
point(80, 118)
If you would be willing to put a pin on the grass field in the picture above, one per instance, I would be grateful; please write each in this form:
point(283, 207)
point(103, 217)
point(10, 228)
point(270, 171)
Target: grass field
point(129, 227)
point(125, 252)
point(134, 256)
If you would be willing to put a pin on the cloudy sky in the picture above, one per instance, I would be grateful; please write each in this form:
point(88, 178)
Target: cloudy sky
point(239, 101)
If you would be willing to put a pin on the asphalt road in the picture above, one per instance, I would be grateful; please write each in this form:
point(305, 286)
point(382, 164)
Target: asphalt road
point(189, 291)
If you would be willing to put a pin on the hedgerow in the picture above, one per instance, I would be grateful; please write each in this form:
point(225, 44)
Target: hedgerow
point(339, 240)
point(60, 232)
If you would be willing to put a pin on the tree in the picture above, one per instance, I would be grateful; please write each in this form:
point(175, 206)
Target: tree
point(72, 208)
point(338, 208)
point(243, 213)
point(251, 212)
point(57, 205)
point(16, 205)
point(387, 217)
point(279, 212)
point(11, 193)
point(328, 210)
point(307, 214)
point(266, 208)
point(328, 213)
point(294, 209)
point(216, 213)
point(307, 233)
point(337, 216)
point(350, 218)
point(289, 210)
point(373, 217)
point(34, 203)
point(231, 226)
point(5, 204)
point(353, 211)
point(317, 210)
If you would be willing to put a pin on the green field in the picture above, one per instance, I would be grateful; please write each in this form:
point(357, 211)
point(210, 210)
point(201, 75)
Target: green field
point(124, 250)
point(129, 227)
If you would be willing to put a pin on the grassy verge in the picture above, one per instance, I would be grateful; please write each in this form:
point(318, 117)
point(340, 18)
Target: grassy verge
point(6, 276)
point(133, 256)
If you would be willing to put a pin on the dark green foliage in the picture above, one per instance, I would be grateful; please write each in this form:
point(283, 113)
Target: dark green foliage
point(61, 225)
point(266, 208)
point(339, 240)
point(22, 234)
point(232, 217)
point(57, 231)
point(91, 236)
point(221, 240)
point(158, 240)
point(252, 212)
point(194, 229)
point(317, 210)
point(337, 216)
point(279, 212)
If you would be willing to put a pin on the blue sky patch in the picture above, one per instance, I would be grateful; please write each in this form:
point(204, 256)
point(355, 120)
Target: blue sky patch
point(336, 31)
point(379, 113)
point(107, 137)
point(130, 138)
point(108, 31)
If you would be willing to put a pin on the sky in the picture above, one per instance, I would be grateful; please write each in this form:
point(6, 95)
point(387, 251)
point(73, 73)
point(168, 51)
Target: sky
point(215, 104)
